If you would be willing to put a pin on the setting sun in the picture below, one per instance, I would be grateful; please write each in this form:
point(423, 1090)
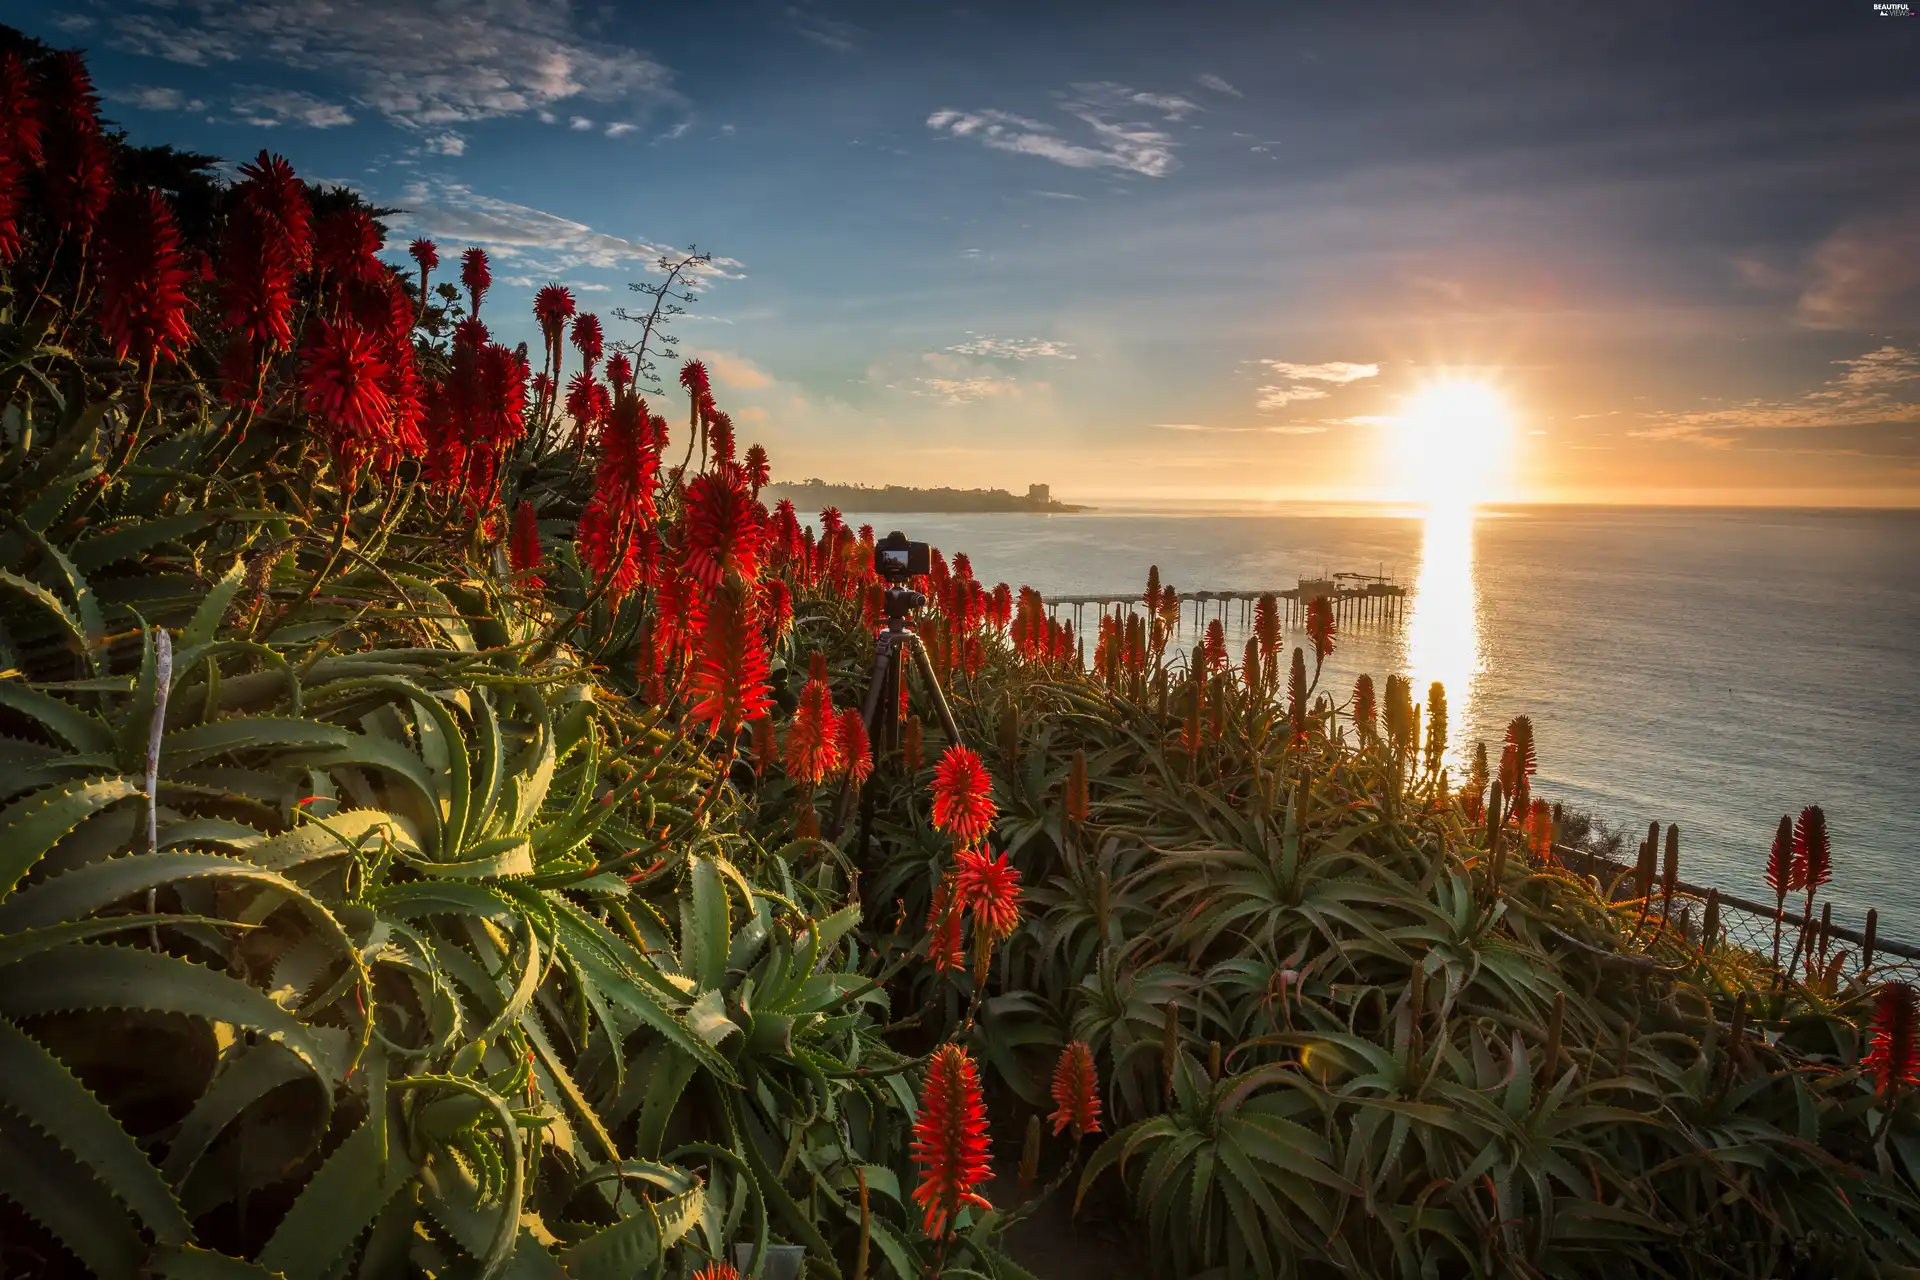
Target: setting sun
point(1453, 443)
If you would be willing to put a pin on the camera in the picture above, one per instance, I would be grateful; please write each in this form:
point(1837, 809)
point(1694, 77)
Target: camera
point(896, 559)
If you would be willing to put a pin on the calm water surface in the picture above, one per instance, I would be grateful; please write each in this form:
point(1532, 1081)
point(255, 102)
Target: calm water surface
point(1710, 668)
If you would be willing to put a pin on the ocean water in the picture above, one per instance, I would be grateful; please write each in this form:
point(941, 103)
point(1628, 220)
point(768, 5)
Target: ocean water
point(1714, 668)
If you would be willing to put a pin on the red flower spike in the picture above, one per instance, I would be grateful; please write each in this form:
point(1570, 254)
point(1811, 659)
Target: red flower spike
point(963, 796)
point(1812, 853)
point(758, 469)
point(1076, 1092)
point(813, 739)
point(1266, 627)
point(944, 921)
point(856, 754)
point(341, 374)
point(766, 749)
point(1782, 868)
point(1321, 628)
point(989, 887)
point(693, 376)
point(587, 337)
point(730, 670)
point(619, 372)
point(1893, 1060)
point(426, 255)
point(615, 531)
point(476, 275)
point(725, 529)
point(143, 280)
point(20, 132)
point(779, 607)
point(950, 1140)
point(76, 163)
point(716, 1271)
point(523, 551)
point(347, 245)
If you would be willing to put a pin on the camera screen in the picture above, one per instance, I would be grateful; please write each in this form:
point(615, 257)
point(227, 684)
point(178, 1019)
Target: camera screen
point(894, 557)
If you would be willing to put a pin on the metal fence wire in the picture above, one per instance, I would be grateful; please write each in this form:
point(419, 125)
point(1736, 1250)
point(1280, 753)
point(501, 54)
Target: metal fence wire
point(1748, 924)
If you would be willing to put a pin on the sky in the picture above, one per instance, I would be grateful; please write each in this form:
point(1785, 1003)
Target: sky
point(1140, 252)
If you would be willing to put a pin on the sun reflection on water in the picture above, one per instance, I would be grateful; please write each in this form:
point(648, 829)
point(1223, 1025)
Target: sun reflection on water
point(1443, 631)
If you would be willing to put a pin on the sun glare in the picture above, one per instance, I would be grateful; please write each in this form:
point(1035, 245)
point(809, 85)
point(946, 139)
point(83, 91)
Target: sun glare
point(1453, 442)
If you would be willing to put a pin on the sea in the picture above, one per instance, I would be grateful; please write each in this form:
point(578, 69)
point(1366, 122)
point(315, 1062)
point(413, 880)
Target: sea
point(1714, 668)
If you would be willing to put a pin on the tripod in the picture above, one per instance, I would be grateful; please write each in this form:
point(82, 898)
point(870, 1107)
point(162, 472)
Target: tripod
point(882, 708)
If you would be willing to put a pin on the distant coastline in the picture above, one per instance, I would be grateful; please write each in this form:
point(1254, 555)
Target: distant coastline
point(811, 495)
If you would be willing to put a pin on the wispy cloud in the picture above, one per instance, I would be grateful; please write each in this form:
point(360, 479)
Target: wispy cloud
point(420, 63)
point(1218, 85)
point(262, 105)
point(841, 37)
point(1862, 271)
point(1868, 393)
point(148, 97)
point(579, 124)
point(1299, 429)
point(524, 237)
point(1301, 381)
point(1014, 348)
point(621, 128)
point(1116, 142)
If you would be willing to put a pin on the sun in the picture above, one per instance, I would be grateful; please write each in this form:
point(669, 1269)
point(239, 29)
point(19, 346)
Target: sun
point(1453, 443)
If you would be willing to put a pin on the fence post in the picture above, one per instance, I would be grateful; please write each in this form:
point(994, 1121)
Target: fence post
point(1866, 945)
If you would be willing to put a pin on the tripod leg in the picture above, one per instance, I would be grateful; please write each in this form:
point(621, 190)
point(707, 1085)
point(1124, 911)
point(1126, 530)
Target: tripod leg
point(933, 687)
point(886, 659)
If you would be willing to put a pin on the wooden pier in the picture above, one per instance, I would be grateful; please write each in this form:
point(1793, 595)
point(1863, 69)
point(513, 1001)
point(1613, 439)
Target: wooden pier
point(1358, 598)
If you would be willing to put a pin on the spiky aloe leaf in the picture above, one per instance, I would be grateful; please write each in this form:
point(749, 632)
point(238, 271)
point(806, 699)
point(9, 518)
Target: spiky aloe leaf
point(635, 1242)
point(80, 729)
point(189, 1263)
point(34, 824)
point(332, 837)
point(84, 601)
point(89, 976)
point(38, 1086)
point(250, 1075)
point(339, 1201)
point(704, 936)
point(55, 606)
point(62, 1197)
point(204, 628)
point(128, 541)
point(184, 748)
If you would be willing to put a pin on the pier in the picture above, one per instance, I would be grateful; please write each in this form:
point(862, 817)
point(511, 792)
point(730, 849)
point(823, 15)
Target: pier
point(1357, 598)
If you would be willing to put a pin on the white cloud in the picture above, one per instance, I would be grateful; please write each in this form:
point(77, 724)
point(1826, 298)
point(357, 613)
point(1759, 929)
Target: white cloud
point(423, 64)
point(679, 130)
point(620, 129)
point(445, 144)
point(1281, 397)
point(1218, 85)
point(529, 238)
point(1336, 371)
point(1117, 143)
point(148, 97)
point(1862, 396)
point(579, 124)
point(1863, 272)
point(1014, 348)
point(967, 390)
point(261, 105)
point(1312, 429)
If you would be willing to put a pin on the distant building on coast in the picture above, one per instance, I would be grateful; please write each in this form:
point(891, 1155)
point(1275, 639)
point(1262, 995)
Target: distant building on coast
point(816, 494)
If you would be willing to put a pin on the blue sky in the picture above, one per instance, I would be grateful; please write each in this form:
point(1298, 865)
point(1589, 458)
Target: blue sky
point(1145, 251)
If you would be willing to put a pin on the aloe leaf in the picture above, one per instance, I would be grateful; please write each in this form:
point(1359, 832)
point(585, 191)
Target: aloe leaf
point(204, 629)
point(253, 1072)
point(55, 606)
point(704, 936)
point(184, 748)
point(38, 1086)
point(18, 946)
point(336, 1205)
point(32, 825)
point(189, 1263)
point(88, 976)
point(333, 837)
point(80, 729)
point(62, 1197)
point(76, 584)
point(101, 550)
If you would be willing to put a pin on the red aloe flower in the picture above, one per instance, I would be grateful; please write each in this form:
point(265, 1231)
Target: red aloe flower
point(426, 255)
point(77, 165)
point(619, 372)
point(730, 670)
point(1893, 1061)
point(341, 374)
point(758, 470)
point(616, 528)
point(1812, 852)
point(1519, 741)
point(1320, 627)
point(945, 916)
point(716, 1271)
point(347, 244)
point(990, 888)
point(779, 607)
point(725, 528)
point(950, 1140)
point(1540, 831)
point(813, 739)
point(587, 401)
point(720, 432)
point(693, 376)
point(476, 275)
point(1266, 627)
point(587, 337)
point(268, 242)
point(523, 550)
point(856, 753)
point(552, 308)
point(501, 408)
point(20, 128)
point(1783, 869)
point(1076, 1092)
point(963, 796)
point(143, 280)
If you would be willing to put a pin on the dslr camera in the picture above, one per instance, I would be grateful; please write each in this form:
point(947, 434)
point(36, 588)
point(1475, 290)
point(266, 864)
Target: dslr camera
point(896, 559)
